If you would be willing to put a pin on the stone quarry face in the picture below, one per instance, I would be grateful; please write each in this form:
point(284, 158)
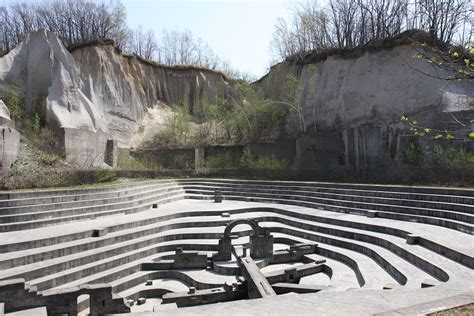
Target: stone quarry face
point(166, 246)
point(351, 106)
point(96, 94)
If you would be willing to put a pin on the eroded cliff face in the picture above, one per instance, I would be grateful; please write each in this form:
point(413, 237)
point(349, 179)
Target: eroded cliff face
point(352, 105)
point(125, 88)
point(96, 95)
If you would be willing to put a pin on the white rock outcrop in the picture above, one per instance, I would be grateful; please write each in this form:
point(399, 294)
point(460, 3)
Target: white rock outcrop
point(96, 94)
point(4, 112)
point(124, 88)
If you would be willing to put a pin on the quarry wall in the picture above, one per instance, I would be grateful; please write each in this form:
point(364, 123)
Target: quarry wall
point(352, 103)
point(96, 94)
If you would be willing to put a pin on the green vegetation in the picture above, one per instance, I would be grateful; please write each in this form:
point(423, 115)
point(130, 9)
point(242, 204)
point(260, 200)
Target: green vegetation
point(239, 120)
point(245, 161)
point(105, 175)
point(130, 163)
point(464, 133)
point(437, 156)
point(176, 131)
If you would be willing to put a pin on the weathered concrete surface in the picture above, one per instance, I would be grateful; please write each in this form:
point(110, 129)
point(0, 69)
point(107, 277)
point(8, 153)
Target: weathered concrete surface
point(9, 148)
point(258, 286)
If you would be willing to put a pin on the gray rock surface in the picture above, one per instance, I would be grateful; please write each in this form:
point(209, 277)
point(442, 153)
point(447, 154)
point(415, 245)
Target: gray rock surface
point(377, 87)
point(352, 106)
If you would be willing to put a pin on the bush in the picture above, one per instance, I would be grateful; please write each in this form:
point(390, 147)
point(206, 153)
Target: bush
point(223, 161)
point(130, 163)
point(262, 162)
point(105, 175)
point(437, 156)
point(246, 161)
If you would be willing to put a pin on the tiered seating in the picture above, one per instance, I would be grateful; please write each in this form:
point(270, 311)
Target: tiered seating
point(33, 210)
point(451, 208)
point(103, 236)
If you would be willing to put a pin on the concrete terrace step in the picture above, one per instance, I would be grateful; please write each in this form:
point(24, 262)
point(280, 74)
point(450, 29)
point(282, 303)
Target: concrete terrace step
point(347, 186)
point(94, 257)
point(83, 200)
point(96, 206)
point(99, 268)
point(347, 207)
point(154, 225)
point(12, 198)
point(445, 198)
point(392, 199)
point(423, 211)
point(158, 199)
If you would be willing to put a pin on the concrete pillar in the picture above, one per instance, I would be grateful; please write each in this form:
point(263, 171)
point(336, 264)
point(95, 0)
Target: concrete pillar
point(9, 148)
point(346, 148)
point(199, 159)
point(111, 153)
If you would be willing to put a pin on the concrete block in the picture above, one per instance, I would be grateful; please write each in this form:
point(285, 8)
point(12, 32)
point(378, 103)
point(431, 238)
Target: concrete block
point(99, 232)
point(371, 214)
point(83, 147)
point(218, 196)
point(111, 152)
point(412, 239)
point(225, 214)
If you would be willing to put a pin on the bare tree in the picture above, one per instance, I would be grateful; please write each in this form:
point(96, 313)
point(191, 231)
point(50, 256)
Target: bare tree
point(74, 21)
point(142, 43)
point(351, 23)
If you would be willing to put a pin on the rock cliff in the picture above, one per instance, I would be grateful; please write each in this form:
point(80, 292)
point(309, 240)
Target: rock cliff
point(352, 102)
point(97, 95)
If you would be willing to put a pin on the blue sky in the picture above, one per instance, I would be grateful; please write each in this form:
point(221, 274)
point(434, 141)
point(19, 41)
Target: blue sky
point(239, 31)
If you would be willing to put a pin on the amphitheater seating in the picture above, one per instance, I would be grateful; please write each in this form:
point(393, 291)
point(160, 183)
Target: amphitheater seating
point(370, 235)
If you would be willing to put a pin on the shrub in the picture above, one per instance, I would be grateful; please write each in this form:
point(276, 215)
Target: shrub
point(437, 156)
point(246, 161)
point(105, 175)
point(262, 162)
point(223, 161)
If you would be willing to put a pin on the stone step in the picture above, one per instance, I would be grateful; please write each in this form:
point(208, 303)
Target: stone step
point(347, 207)
point(455, 199)
point(97, 206)
point(461, 192)
point(157, 199)
point(93, 257)
point(348, 196)
point(13, 198)
point(423, 211)
point(85, 200)
point(100, 267)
